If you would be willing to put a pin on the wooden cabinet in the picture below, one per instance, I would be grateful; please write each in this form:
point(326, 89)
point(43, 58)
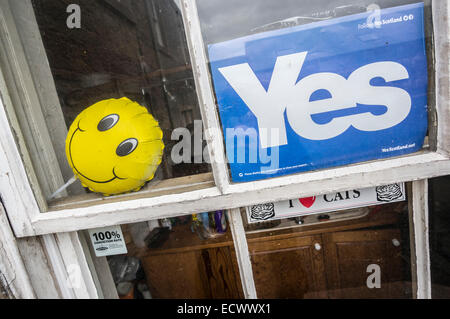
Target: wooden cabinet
point(203, 273)
point(185, 266)
point(329, 260)
point(330, 265)
point(288, 268)
point(176, 275)
point(348, 254)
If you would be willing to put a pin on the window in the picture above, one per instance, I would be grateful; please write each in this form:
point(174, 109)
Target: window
point(124, 62)
point(184, 257)
point(101, 71)
point(363, 252)
point(157, 54)
point(334, 39)
point(439, 233)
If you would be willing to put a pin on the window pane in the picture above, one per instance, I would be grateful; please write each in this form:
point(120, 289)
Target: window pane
point(189, 257)
point(352, 253)
point(132, 49)
point(226, 20)
point(284, 80)
point(439, 220)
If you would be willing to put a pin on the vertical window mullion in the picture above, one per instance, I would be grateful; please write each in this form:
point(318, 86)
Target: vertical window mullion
point(205, 95)
point(242, 253)
point(420, 248)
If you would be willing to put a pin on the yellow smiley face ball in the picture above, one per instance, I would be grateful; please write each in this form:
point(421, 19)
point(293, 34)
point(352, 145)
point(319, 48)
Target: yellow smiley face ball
point(114, 146)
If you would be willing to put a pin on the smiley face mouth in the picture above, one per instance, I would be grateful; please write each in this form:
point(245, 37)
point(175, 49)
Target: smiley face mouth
point(75, 168)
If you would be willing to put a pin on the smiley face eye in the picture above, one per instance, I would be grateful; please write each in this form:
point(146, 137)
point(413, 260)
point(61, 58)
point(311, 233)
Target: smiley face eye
point(127, 147)
point(108, 122)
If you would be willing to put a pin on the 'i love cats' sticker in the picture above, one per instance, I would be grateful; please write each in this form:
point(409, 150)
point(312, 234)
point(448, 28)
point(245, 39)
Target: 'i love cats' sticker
point(327, 203)
point(308, 201)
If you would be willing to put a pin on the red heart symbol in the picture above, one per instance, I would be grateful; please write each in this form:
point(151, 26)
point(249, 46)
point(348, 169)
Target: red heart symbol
point(308, 201)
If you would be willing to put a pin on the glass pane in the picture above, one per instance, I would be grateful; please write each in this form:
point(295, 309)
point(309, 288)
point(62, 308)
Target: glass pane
point(189, 257)
point(439, 219)
point(286, 77)
point(103, 50)
point(226, 20)
point(333, 252)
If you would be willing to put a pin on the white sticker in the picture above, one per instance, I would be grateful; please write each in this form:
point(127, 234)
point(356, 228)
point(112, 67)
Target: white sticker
point(326, 203)
point(108, 241)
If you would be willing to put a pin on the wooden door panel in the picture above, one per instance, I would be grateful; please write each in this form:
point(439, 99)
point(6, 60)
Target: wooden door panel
point(222, 273)
point(180, 275)
point(289, 268)
point(347, 256)
point(201, 273)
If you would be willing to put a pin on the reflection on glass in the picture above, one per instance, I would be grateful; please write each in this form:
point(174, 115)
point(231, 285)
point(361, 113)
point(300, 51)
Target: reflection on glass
point(296, 81)
point(183, 257)
point(226, 20)
point(439, 219)
point(356, 253)
point(134, 49)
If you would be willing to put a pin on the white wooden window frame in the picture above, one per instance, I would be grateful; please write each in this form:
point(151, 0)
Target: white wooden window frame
point(27, 209)
point(31, 217)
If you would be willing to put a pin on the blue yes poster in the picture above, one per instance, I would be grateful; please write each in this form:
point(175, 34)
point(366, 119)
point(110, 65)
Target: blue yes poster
point(323, 94)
